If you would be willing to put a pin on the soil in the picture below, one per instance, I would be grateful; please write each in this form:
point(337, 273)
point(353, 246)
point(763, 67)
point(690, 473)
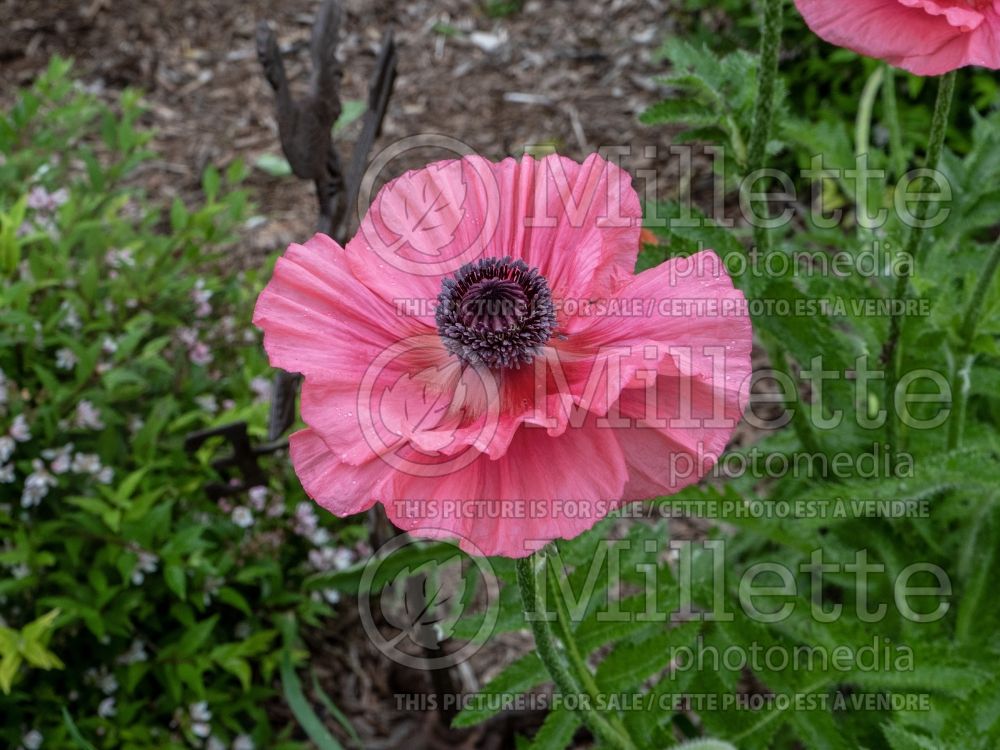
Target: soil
point(557, 72)
point(552, 73)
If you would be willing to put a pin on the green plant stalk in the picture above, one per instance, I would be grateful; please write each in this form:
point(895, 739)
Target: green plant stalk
point(890, 113)
point(892, 352)
point(763, 117)
point(959, 382)
point(531, 579)
point(577, 662)
point(763, 110)
point(964, 358)
point(863, 121)
point(862, 135)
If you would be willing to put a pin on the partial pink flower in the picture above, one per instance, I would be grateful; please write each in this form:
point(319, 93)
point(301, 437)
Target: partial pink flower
point(482, 359)
point(925, 37)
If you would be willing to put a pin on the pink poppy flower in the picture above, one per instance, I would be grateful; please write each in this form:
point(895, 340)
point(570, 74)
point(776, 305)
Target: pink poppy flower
point(925, 37)
point(482, 359)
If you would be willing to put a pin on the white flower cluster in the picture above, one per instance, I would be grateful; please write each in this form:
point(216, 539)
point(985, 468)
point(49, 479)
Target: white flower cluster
point(201, 296)
point(106, 682)
point(147, 563)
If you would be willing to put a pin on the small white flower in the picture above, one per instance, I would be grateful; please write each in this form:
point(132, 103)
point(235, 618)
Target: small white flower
point(243, 742)
point(136, 653)
point(214, 743)
point(41, 199)
point(306, 520)
point(7, 446)
point(207, 403)
point(200, 295)
point(106, 475)
point(19, 429)
point(86, 463)
point(70, 317)
point(106, 708)
point(119, 258)
point(242, 517)
point(135, 423)
point(20, 571)
point(199, 354)
point(261, 388)
point(332, 596)
point(258, 497)
point(107, 683)
point(109, 345)
point(32, 740)
point(6, 473)
point(146, 563)
point(65, 359)
point(36, 485)
point(200, 711)
point(320, 537)
point(201, 729)
point(60, 458)
point(187, 336)
point(88, 417)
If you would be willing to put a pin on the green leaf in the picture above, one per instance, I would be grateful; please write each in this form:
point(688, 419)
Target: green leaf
point(352, 110)
point(74, 732)
point(8, 670)
point(176, 579)
point(705, 745)
point(303, 712)
point(556, 732)
point(630, 664)
point(516, 678)
point(335, 712)
point(178, 215)
point(210, 182)
point(240, 668)
point(274, 165)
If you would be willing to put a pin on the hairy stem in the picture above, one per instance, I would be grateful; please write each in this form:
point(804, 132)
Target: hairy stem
point(763, 117)
point(577, 662)
point(763, 110)
point(891, 354)
point(531, 578)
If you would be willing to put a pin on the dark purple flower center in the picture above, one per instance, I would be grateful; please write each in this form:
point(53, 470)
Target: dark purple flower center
point(496, 312)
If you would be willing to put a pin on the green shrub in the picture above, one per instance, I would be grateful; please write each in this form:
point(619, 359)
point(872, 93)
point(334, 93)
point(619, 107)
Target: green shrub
point(130, 601)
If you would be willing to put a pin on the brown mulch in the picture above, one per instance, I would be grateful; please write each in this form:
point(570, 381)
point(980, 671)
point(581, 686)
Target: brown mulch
point(573, 75)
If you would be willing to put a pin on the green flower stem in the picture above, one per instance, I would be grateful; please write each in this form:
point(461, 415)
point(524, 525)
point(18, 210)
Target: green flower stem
point(892, 353)
point(763, 116)
point(577, 661)
point(959, 381)
point(890, 113)
point(963, 358)
point(531, 579)
point(863, 121)
point(763, 110)
point(862, 136)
